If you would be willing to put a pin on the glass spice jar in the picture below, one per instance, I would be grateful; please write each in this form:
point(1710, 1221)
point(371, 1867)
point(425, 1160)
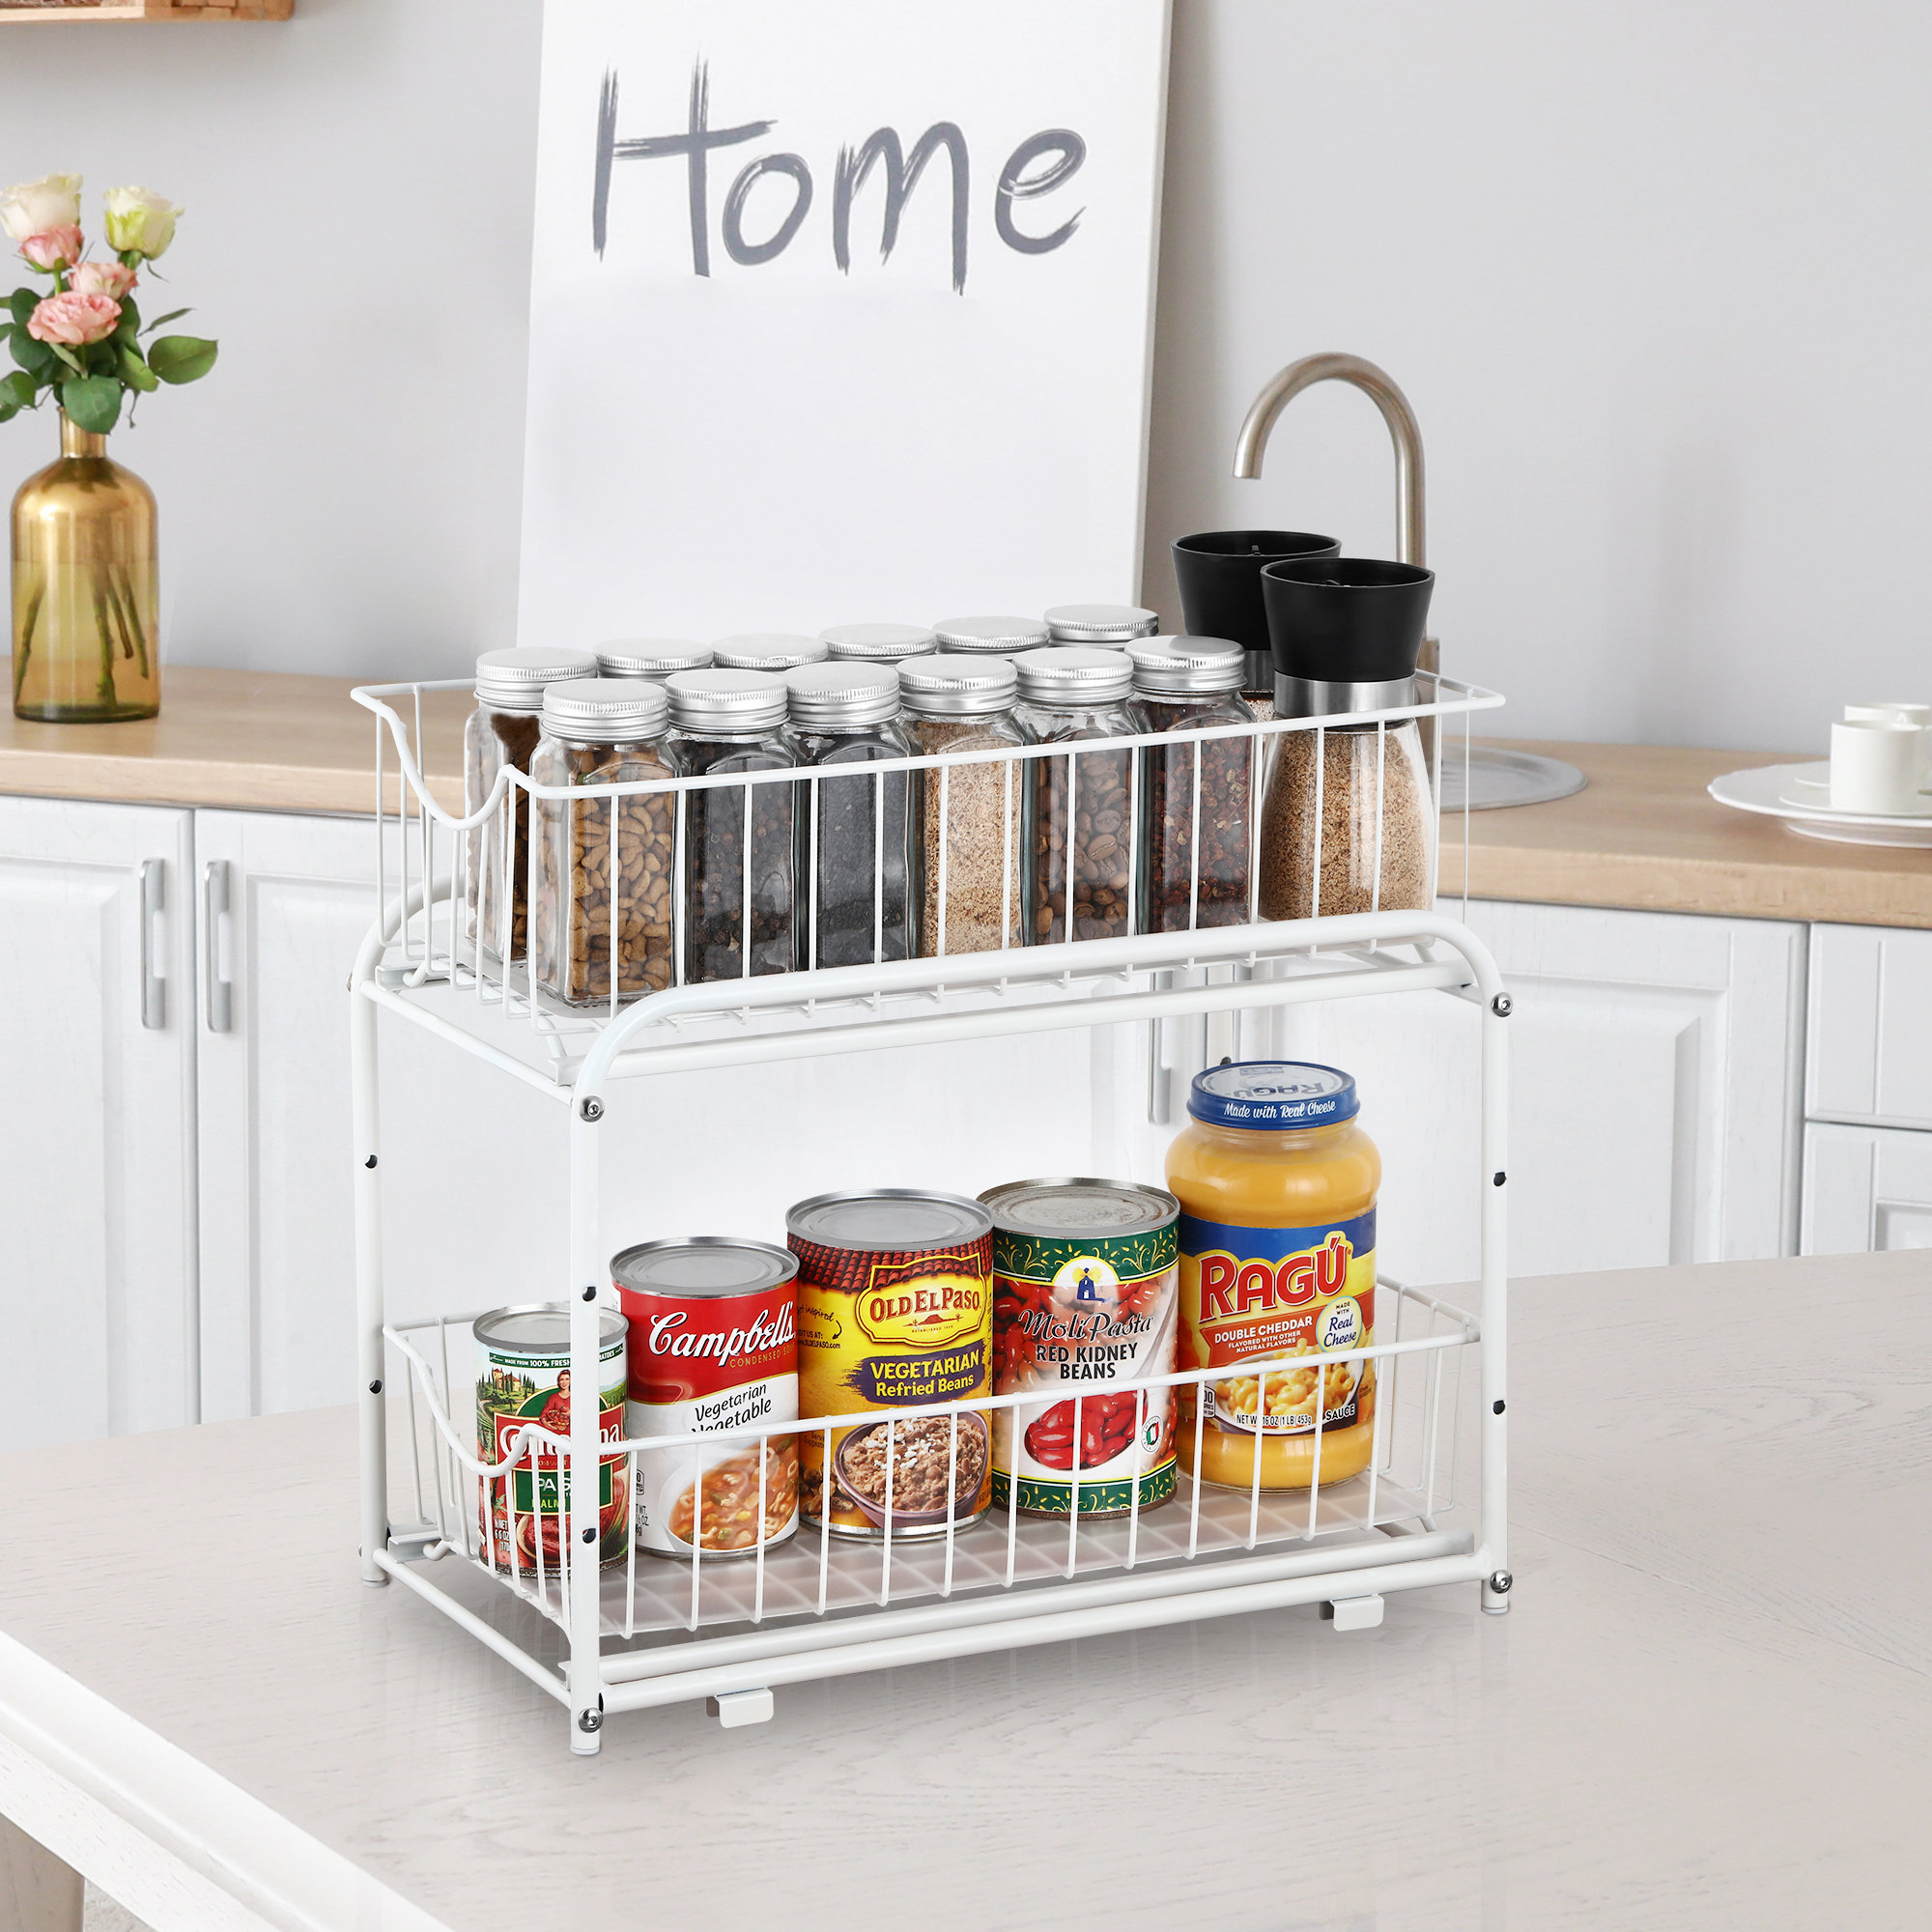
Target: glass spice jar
point(733, 720)
point(775, 651)
point(972, 818)
point(991, 637)
point(503, 730)
point(878, 643)
point(597, 896)
point(654, 658)
point(1099, 624)
point(1194, 846)
point(857, 838)
point(1081, 803)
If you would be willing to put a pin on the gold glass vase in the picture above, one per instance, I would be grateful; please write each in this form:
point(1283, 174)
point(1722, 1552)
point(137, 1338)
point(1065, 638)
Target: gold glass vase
point(86, 602)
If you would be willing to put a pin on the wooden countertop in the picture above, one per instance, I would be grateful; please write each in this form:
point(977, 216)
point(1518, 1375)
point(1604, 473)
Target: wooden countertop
point(263, 741)
point(1646, 835)
point(1707, 1707)
point(1643, 835)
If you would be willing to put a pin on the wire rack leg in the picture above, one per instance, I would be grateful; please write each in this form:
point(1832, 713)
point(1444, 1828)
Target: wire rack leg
point(1495, 1302)
point(373, 1429)
point(586, 1688)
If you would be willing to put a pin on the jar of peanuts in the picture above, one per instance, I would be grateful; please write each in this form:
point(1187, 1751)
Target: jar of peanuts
point(603, 864)
point(1195, 800)
point(1080, 881)
point(503, 731)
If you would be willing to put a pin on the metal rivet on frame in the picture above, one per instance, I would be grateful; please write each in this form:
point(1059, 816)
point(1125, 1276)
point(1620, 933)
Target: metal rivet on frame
point(1498, 1179)
point(376, 1387)
point(590, 1107)
point(1502, 1006)
point(1501, 1582)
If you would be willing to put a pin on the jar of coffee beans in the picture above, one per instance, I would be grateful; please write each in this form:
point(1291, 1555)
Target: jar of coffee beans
point(740, 860)
point(858, 838)
point(1079, 885)
point(503, 730)
point(1194, 843)
point(600, 896)
point(972, 818)
point(654, 658)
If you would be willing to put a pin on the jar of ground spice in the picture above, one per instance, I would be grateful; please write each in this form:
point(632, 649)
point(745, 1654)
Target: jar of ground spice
point(972, 818)
point(1080, 806)
point(503, 730)
point(654, 658)
point(740, 862)
point(857, 845)
point(1195, 798)
point(600, 897)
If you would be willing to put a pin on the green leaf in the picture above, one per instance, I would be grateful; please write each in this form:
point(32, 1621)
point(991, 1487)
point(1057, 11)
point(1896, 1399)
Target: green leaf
point(93, 402)
point(180, 359)
point(129, 324)
point(173, 315)
point(23, 302)
point(35, 358)
point(67, 356)
point(134, 372)
point(18, 389)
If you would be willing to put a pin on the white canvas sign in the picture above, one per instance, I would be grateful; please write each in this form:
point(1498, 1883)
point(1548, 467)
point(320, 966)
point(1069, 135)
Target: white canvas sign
point(842, 311)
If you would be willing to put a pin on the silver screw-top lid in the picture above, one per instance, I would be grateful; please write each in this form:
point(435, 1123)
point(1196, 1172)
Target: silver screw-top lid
point(514, 680)
point(768, 651)
point(997, 637)
point(880, 644)
point(605, 710)
point(1184, 665)
point(724, 699)
point(1068, 675)
point(1099, 623)
point(651, 657)
point(836, 695)
point(950, 684)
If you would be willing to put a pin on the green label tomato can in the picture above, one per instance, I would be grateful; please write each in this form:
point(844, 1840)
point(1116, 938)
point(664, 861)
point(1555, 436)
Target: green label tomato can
point(1085, 1304)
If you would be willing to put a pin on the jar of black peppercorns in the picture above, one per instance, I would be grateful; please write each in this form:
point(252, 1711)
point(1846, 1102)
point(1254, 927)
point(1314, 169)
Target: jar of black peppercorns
point(1196, 798)
point(1082, 803)
point(740, 863)
point(858, 838)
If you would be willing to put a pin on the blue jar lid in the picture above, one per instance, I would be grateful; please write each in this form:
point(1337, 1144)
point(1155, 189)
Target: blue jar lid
point(1272, 1094)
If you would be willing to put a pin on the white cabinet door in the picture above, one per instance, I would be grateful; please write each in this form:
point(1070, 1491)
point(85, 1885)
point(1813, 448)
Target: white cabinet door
point(96, 1165)
point(1867, 1190)
point(1655, 1115)
point(1869, 1039)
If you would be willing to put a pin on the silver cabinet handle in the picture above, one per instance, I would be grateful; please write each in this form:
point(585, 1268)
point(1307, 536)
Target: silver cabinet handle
point(215, 905)
point(154, 902)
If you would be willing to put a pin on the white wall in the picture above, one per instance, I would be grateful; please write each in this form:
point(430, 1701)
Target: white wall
point(1655, 273)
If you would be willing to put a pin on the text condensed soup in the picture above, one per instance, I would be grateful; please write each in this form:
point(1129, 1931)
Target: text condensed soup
point(1277, 1188)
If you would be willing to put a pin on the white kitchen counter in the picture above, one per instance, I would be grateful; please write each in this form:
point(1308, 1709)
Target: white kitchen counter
point(1710, 1707)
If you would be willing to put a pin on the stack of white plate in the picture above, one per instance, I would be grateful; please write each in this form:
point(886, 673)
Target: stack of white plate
point(1802, 796)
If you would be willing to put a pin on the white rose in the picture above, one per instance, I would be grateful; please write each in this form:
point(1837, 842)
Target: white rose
point(35, 206)
point(139, 221)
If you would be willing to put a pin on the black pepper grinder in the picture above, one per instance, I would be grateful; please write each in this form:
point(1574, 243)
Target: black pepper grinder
point(1219, 575)
point(1345, 633)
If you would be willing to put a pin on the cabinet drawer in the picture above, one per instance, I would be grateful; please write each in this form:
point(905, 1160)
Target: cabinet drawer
point(1868, 1190)
point(1869, 1057)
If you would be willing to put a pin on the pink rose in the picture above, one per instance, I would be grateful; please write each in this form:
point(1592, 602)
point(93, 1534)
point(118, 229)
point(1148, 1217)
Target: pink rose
point(75, 320)
point(53, 248)
point(101, 278)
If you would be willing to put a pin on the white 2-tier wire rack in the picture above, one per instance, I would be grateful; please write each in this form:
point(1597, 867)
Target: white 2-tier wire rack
point(646, 1631)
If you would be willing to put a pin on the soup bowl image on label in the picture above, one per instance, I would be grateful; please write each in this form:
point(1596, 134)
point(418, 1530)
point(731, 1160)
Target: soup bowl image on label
point(713, 1359)
point(1085, 1304)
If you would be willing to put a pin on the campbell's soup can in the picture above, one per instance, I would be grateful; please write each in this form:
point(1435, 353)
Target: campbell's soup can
point(712, 1360)
point(894, 1311)
point(1085, 1298)
point(523, 1377)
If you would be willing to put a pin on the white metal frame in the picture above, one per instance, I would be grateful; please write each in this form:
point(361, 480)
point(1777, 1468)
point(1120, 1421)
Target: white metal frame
point(761, 1625)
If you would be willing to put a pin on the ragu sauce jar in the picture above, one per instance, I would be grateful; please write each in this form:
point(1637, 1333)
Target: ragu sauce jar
point(713, 1359)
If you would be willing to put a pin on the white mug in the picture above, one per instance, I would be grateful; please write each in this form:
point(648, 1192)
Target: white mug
point(1878, 765)
point(1902, 714)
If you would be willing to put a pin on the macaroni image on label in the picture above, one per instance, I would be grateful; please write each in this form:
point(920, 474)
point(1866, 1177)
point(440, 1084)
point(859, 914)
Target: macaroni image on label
point(522, 1378)
point(1084, 1306)
point(714, 1358)
point(1249, 1294)
point(895, 1304)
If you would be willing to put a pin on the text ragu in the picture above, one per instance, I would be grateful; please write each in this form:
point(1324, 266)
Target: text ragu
point(1039, 166)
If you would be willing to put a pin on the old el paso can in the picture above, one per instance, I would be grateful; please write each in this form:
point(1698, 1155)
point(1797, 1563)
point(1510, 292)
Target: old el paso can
point(713, 1359)
point(1085, 1302)
point(895, 1309)
point(523, 1377)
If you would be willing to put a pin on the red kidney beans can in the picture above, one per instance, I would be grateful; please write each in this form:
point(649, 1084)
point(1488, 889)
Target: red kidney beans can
point(1085, 1298)
point(714, 1360)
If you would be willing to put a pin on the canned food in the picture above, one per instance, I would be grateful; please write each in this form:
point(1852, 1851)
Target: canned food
point(1085, 1298)
point(522, 1378)
point(894, 1310)
point(714, 1356)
